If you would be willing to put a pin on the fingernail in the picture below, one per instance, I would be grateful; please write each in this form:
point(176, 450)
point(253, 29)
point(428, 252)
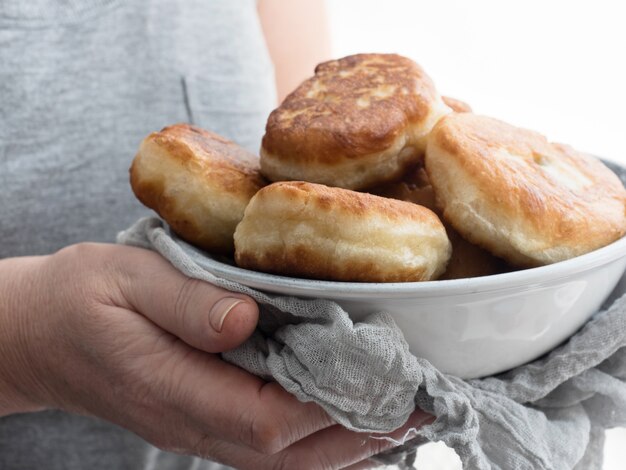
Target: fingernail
point(220, 311)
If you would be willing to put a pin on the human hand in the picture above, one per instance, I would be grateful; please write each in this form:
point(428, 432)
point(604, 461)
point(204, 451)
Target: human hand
point(116, 332)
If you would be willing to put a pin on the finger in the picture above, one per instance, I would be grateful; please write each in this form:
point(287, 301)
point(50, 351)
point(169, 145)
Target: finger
point(213, 397)
point(241, 408)
point(202, 315)
point(334, 447)
point(337, 447)
point(249, 412)
point(195, 394)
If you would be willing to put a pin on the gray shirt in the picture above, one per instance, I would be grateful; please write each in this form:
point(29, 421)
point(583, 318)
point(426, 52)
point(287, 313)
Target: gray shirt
point(81, 83)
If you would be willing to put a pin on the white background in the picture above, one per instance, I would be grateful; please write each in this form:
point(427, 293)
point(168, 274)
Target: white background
point(558, 67)
point(555, 66)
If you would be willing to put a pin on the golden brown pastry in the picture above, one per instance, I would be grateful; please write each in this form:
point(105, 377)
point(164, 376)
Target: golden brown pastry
point(457, 106)
point(467, 260)
point(523, 198)
point(359, 122)
point(198, 181)
point(314, 231)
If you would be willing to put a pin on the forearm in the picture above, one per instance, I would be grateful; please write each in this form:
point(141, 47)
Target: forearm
point(17, 290)
point(297, 35)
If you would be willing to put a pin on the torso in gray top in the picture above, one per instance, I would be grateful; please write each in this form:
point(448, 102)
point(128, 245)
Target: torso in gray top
point(81, 83)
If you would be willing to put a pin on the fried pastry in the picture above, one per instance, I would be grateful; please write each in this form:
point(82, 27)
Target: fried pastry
point(198, 182)
point(359, 122)
point(523, 198)
point(315, 231)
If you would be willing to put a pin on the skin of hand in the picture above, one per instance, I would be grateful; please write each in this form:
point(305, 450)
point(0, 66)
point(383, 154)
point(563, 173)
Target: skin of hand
point(116, 332)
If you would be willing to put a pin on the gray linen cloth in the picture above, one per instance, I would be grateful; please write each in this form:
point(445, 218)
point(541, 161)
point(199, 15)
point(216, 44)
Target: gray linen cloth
point(549, 414)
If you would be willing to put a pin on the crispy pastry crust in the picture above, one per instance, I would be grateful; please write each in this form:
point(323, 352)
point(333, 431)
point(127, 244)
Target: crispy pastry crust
point(198, 181)
point(314, 231)
point(521, 197)
point(358, 122)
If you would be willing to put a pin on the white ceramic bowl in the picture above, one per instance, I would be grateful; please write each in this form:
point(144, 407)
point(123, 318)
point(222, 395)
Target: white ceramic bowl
point(472, 327)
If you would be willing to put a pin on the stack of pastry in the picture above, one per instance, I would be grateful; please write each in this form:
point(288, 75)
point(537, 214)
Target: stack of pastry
point(367, 174)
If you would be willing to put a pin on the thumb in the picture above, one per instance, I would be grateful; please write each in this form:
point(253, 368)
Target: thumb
point(203, 315)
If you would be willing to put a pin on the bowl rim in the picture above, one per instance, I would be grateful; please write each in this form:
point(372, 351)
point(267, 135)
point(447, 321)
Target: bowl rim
point(524, 278)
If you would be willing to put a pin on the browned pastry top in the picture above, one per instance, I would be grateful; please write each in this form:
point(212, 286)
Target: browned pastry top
point(351, 107)
point(206, 150)
point(319, 232)
point(526, 199)
point(198, 181)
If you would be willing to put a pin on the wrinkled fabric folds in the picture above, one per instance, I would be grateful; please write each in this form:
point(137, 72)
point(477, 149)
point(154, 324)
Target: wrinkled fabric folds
point(548, 414)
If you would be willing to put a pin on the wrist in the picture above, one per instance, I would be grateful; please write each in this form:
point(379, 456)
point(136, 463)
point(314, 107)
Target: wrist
point(18, 387)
